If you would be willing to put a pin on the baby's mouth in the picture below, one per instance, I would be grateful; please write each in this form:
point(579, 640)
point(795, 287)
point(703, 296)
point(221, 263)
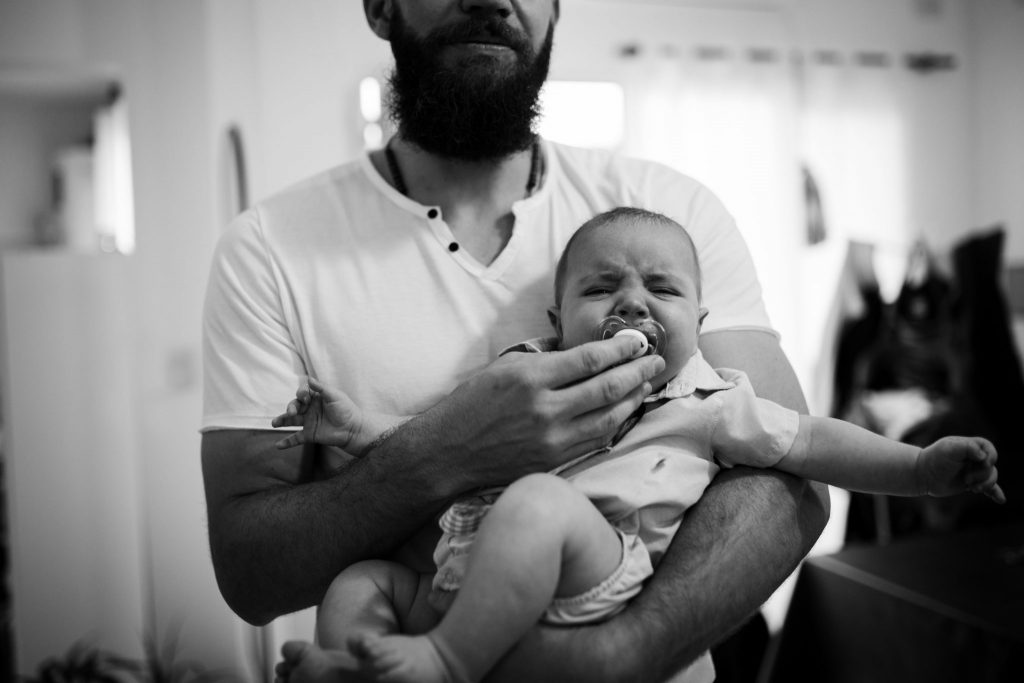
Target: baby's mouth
point(651, 333)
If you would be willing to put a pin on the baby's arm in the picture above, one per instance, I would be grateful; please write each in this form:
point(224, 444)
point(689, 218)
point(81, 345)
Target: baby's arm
point(848, 456)
point(328, 416)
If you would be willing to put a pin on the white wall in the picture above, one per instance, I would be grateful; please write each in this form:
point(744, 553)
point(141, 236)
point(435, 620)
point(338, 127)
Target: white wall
point(996, 31)
point(159, 50)
point(311, 55)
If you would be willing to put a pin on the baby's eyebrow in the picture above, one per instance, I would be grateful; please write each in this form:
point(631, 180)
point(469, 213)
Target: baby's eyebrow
point(604, 275)
point(662, 277)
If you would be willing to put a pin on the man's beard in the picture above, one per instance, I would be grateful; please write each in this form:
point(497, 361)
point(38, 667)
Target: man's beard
point(478, 109)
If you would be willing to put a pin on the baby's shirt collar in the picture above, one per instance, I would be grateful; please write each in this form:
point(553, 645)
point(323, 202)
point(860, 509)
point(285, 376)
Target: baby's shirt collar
point(696, 375)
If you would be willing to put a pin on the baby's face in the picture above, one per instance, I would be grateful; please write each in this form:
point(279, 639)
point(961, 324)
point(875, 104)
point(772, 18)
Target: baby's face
point(638, 271)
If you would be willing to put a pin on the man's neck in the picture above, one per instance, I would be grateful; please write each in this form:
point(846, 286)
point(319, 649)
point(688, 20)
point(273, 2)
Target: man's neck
point(475, 197)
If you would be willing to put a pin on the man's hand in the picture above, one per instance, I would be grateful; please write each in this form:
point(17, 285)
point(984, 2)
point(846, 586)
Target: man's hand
point(530, 412)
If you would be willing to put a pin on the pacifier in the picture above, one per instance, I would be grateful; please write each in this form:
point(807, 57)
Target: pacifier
point(650, 333)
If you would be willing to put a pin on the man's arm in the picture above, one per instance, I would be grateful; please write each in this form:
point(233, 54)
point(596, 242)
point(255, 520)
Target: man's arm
point(735, 547)
point(279, 536)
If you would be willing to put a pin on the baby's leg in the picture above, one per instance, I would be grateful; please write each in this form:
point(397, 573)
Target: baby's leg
point(542, 539)
point(375, 597)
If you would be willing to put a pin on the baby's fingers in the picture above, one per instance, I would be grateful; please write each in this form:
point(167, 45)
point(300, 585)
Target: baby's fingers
point(292, 415)
point(286, 419)
point(983, 451)
point(984, 481)
point(294, 439)
point(995, 493)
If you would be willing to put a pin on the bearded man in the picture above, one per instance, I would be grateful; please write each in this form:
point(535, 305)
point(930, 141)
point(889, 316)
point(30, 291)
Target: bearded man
point(398, 277)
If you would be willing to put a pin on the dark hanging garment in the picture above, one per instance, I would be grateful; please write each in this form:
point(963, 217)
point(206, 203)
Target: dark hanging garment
point(992, 371)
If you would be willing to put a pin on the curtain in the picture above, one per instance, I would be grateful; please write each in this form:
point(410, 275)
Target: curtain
point(728, 117)
point(112, 172)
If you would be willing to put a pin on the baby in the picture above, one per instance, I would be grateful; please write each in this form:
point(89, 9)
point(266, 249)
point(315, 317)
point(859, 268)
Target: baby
point(573, 546)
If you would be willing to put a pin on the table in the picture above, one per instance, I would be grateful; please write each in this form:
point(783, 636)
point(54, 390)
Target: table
point(937, 608)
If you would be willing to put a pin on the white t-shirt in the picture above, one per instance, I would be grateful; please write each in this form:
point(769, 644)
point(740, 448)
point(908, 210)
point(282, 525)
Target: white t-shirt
point(343, 278)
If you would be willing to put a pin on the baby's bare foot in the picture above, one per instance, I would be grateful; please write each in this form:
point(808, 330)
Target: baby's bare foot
point(399, 659)
point(307, 663)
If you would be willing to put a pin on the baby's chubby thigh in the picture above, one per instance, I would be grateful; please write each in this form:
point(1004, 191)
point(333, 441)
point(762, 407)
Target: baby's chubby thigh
point(374, 596)
point(558, 517)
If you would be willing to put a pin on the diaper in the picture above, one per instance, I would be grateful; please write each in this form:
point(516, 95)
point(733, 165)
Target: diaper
point(609, 597)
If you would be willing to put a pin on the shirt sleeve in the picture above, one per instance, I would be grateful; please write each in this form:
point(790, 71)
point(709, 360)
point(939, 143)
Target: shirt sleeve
point(730, 287)
point(250, 364)
point(751, 430)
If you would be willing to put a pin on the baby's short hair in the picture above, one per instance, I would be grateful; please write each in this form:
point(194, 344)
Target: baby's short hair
point(634, 214)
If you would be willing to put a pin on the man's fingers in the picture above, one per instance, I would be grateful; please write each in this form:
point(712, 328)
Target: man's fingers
point(594, 409)
point(597, 428)
point(615, 385)
point(585, 361)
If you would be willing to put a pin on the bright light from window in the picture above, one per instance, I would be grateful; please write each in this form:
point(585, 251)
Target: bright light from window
point(114, 207)
point(373, 135)
point(584, 114)
point(369, 99)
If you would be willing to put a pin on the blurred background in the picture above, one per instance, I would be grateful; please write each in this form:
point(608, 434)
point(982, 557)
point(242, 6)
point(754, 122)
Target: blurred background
point(872, 152)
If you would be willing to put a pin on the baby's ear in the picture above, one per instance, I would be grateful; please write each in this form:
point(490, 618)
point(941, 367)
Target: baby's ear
point(701, 314)
point(555, 316)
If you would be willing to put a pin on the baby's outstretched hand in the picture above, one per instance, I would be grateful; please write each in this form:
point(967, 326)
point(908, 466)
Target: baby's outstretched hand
point(955, 464)
point(327, 416)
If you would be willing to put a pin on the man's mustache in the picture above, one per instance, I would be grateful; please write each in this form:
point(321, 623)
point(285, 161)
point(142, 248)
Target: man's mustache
point(491, 30)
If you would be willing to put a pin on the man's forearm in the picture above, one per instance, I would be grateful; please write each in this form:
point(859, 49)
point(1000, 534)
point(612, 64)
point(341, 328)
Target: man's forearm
point(739, 543)
point(277, 546)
